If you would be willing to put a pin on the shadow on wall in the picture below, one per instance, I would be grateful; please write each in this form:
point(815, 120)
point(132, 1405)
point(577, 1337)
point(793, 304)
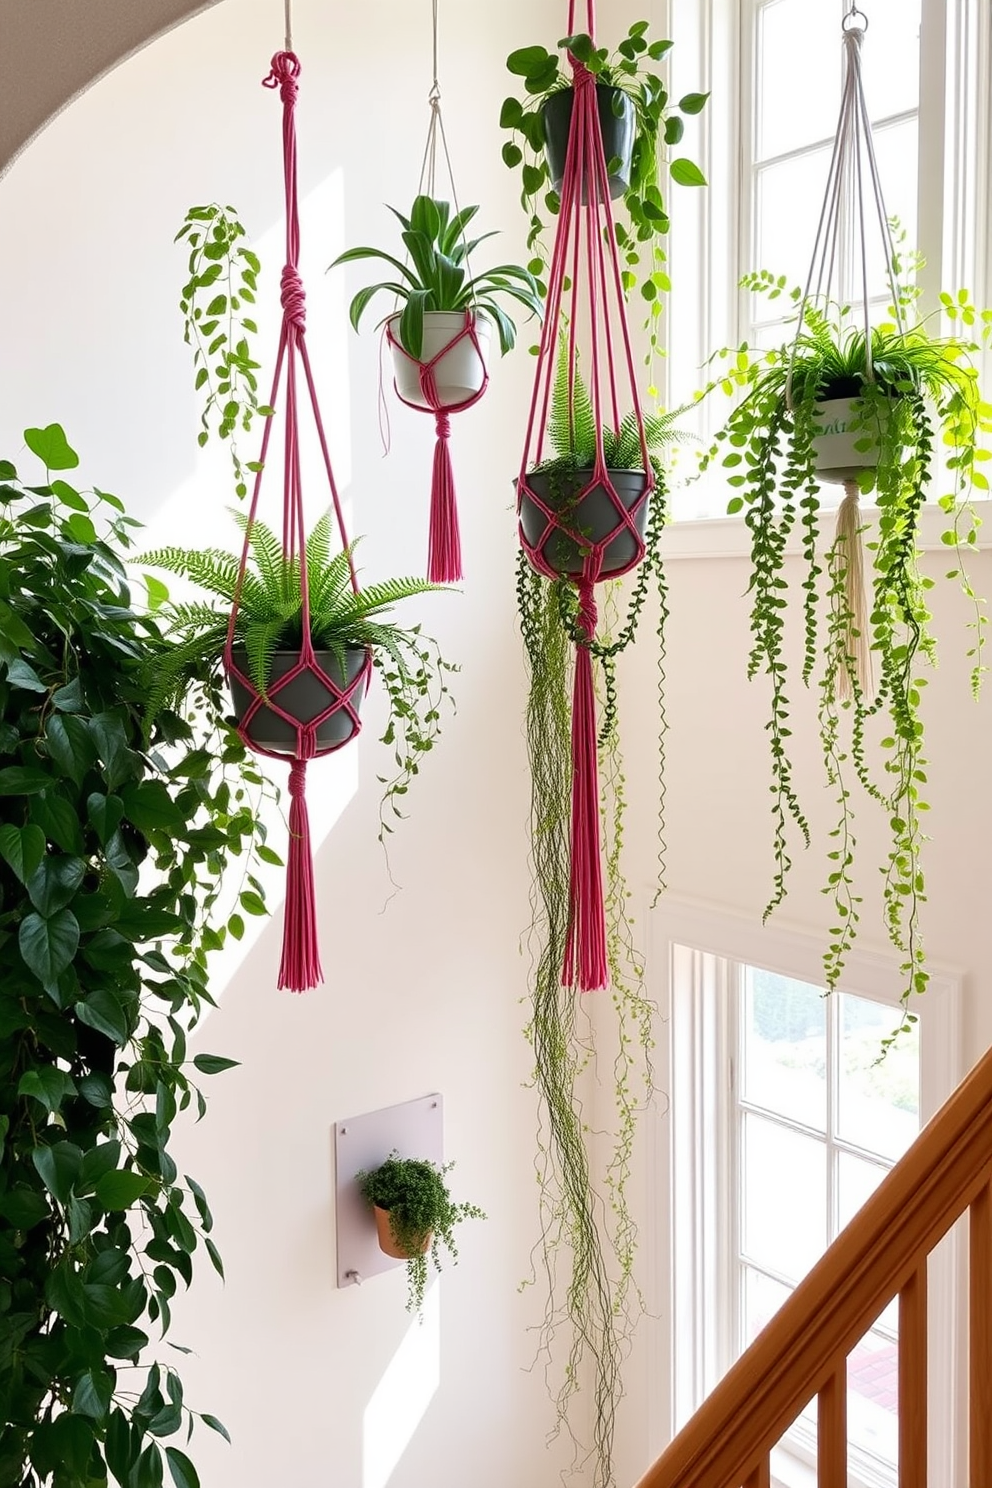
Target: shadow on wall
point(51, 51)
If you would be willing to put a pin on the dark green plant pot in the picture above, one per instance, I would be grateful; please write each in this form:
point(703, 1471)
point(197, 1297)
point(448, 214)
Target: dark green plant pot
point(618, 135)
point(590, 520)
point(304, 698)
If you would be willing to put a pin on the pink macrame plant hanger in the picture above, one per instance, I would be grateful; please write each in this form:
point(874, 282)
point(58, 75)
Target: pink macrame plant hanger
point(300, 967)
point(444, 548)
point(585, 297)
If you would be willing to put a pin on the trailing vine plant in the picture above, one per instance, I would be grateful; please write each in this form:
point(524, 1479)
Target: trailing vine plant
point(113, 846)
point(223, 278)
point(915, 391)
point(585, 1216)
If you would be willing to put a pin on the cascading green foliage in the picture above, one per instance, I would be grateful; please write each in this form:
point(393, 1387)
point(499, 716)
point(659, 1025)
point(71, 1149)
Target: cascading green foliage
point(223, 279)
point(270, 618)
point(919, 392)
point(415, 1192)
point(585, 1216)
point(112, 851)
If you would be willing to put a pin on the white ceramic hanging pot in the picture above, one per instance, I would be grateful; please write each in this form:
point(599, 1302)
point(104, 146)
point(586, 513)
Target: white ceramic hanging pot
point(460, 372)
point(842, 425)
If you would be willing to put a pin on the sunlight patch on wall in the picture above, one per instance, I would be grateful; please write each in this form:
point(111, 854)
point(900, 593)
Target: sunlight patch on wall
point(402, 1395)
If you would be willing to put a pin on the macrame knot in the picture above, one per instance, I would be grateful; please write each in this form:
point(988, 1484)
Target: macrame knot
point(581, 76)
point(297, 778)
point(294, 298)
point(442, 424)
point(285, 71)
point(588, 613)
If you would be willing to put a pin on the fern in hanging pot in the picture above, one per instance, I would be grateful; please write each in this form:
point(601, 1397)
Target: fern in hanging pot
point(351, 633)
point(895, 416)
point(565, 504)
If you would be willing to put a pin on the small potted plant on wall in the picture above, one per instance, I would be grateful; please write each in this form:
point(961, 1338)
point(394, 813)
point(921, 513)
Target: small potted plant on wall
point(415, 1215)
point(440, 297)
point(886, 414)
point(639, 131)
point(345, 627)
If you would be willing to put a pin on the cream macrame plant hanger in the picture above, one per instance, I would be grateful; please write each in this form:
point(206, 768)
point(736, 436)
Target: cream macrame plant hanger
point(853, 177)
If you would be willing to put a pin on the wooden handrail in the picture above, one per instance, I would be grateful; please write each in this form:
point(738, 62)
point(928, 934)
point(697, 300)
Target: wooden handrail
point(881, 1254)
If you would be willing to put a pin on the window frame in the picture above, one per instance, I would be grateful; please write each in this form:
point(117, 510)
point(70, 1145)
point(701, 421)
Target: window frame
point(696, 948)
point(710, 245)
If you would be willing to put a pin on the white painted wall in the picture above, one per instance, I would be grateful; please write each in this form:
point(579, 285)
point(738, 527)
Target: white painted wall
point(426, 995)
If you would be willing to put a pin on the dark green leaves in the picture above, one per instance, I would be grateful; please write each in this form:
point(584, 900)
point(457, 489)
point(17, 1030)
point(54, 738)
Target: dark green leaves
point(213, 1064)
point(693, 103)
point(182, 1470)
point(59, 1167)
point(121, 1189)
point(23, 848)
point(48, 945)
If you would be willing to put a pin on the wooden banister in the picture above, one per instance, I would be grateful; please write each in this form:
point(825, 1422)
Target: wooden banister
point(803, 1350)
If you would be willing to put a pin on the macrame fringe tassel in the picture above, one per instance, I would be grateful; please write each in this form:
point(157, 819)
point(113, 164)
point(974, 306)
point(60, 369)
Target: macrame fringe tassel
point(300, 968)
point(850, 552)
point(585, 951)
point(445, 549)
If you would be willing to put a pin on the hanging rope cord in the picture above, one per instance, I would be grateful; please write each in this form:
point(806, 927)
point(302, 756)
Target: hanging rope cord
point(300, 967)
point(584, 241)
point(444, 543)
point(853, 149)
point(852, 158)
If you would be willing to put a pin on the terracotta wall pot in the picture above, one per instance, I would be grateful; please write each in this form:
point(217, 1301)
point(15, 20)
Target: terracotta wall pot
point(459, 373)
point(305, 697)
point(834, 454)
point(618, 135)
point(591, 520)
point(387, 1241)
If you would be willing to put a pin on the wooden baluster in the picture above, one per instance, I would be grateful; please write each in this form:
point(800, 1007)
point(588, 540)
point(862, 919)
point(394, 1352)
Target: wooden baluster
point(762, 1475)
point(913, 1381)
point(980, 1340)
point(831, 1432)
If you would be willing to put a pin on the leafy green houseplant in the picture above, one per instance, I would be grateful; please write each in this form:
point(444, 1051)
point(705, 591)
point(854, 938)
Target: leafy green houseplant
point(589, 1236)
point(215, 301)
point(418, 1215)
point(116, 833)
point(912, 400)
point(560, 479)
point(345, 627)
point(640, 128)
point(438, 289)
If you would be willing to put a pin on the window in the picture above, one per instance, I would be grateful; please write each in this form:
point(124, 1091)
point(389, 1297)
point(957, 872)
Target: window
point(781, 1126)
point(791, 126)
point(774, 68)
point(816, 1123)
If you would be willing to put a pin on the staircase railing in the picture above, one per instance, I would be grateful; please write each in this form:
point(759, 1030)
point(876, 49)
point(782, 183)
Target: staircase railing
point(803, 1350)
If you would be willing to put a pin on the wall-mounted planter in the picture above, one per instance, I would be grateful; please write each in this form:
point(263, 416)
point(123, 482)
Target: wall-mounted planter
point(589, 520)
point(618, 135)
point(459, 373)
point(305, 698)
point(388, 1243)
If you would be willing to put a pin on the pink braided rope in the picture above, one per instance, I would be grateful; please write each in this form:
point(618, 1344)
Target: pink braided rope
point(444, 550)
point(300, 967)
point(585, 275)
